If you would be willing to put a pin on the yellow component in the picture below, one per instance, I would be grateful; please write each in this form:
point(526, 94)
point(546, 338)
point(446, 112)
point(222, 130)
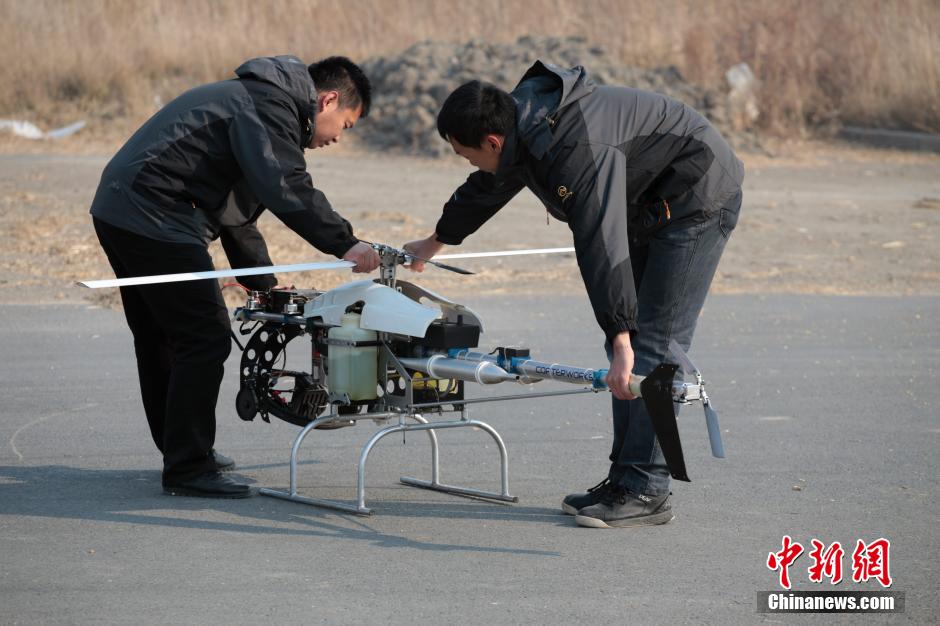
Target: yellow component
point(443, 385)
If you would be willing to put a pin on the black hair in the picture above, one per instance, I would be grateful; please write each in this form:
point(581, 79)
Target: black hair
point(342, 75)
point(475, 110)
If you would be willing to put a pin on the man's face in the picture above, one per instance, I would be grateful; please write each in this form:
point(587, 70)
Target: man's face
point(484, 157)
point(332, 120)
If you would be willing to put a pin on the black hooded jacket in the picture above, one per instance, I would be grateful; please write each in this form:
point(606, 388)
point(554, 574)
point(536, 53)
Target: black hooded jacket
point(209, 162)
point(597, 158)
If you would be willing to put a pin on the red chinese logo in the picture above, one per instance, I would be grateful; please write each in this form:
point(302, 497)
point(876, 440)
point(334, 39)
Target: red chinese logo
point(871, 561)
point(783, 559)
point(868, 561)
point(826, 563)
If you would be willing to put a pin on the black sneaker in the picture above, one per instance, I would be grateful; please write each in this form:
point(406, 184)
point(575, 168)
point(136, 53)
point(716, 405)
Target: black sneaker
point(576, 501)
point(222, 462)
point(209, 485)
point(621, 509)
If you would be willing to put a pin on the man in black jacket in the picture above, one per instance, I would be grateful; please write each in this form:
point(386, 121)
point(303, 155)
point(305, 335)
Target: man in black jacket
point(205, 167)
point(650, 191)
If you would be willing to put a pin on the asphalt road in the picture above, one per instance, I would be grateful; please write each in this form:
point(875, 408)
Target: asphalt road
point(830, 408)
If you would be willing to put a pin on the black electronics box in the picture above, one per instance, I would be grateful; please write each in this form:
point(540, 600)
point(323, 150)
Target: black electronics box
point(279, 298)
point(444, 335)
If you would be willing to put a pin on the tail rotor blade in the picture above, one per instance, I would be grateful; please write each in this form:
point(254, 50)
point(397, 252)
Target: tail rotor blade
point(688, 367)
point(657, 396)
point(714, 431)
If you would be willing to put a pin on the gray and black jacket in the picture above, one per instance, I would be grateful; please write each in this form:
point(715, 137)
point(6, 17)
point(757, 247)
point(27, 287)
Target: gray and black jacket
point(600, 158)
point(209, 162)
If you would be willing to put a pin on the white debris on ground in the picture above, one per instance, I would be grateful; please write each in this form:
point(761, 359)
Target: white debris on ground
point(28, 130)
point(742, 99)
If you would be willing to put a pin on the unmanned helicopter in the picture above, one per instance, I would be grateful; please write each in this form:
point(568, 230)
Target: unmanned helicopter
point(396, 353)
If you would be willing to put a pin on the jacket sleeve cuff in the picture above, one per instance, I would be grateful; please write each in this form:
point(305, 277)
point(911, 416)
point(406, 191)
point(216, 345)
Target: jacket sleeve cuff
point(621, 326)
point(342, 247)
point(334, 238)
point(261, 282)
point(450, 240)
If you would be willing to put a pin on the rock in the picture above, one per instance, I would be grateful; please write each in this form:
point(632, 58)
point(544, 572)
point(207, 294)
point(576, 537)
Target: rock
point(410, 87)
point(927, 203)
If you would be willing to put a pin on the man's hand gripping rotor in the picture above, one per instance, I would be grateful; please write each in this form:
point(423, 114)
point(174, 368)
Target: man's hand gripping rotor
point(364, 256)
point(422, 249)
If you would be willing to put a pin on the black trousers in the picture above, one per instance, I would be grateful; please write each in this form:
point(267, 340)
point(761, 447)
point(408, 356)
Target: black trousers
point(181, 338)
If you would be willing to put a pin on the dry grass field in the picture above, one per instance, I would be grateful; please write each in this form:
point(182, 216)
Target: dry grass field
point(865, 62)
point(818, 218)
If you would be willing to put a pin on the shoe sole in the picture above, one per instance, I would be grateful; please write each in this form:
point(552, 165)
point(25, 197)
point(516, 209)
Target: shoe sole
point(192, 493)
point(567, 509)
point(226, 468)
point(630, 522)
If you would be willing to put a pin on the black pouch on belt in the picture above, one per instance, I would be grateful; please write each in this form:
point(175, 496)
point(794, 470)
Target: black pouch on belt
point(648, 219)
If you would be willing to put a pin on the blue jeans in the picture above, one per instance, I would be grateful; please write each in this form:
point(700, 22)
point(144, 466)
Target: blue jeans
point(672, 272)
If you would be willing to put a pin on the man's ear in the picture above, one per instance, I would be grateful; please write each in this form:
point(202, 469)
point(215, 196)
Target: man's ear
point(327, 101)
point(493, 143)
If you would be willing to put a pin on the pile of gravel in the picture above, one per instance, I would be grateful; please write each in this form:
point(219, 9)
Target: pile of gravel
point(410, 87)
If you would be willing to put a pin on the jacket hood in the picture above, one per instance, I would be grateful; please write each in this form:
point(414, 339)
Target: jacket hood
point(546, 89)
point(286, 72)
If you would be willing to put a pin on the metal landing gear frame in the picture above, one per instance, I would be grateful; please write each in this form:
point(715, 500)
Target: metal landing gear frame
point(434, 483)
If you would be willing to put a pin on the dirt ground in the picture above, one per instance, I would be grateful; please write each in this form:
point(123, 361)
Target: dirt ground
point(819, 218)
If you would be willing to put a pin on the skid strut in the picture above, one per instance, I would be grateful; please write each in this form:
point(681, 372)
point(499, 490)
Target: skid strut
point(403, 426)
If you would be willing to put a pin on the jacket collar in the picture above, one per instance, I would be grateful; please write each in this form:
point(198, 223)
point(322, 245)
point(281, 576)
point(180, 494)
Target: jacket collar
point(289, 74)
point(546, 89)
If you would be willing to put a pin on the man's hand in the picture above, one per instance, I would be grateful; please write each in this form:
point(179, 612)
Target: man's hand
point(422, 248)
point(621, 365)
point(365, 258)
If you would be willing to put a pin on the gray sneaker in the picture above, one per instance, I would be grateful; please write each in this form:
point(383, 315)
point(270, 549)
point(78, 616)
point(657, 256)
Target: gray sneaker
point(576, 501)
point(621, 509)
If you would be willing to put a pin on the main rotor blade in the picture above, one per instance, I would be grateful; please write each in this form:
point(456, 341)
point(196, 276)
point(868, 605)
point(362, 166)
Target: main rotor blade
point(676, 350)
point(247, 271)
point(477, 255)
point(451, 268)
point(406, 258)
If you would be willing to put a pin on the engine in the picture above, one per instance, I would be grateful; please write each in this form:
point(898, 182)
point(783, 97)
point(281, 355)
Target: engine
point(360, 334)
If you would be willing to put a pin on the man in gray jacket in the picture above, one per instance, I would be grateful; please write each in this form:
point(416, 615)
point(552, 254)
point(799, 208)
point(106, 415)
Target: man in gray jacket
point(651, 193)
point(205, 167)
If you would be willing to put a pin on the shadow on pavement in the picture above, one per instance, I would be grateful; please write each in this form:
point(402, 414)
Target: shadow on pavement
point(134, 497)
